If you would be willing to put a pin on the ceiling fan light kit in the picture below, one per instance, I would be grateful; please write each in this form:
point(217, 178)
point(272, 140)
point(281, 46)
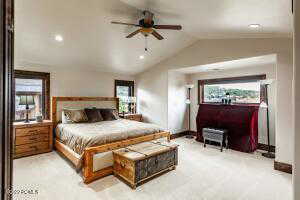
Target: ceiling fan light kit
point(147, 27)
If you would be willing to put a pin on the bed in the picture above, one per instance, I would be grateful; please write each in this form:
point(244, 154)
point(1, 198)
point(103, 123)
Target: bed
point(88, 146)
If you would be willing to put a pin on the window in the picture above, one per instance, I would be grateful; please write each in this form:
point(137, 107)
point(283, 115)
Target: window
point(241, 90)
point(124, 90)
point(35, 85)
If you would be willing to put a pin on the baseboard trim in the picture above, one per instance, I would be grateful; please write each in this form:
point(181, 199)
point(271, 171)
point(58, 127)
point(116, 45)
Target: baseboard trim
point(283, 167)
point(182, 134)
point(264, 147)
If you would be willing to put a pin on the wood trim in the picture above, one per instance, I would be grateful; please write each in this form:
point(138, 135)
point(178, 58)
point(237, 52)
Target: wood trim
point(6, 98)
point(56, 99)
point(99, 174)
point(46, 86)
point(283, 167)
point(201, 83)
point(182, 134)
point(234, 79)
point(265, 147)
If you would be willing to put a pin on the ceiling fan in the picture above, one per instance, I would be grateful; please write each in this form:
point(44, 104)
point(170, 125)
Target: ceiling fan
point(147, 26)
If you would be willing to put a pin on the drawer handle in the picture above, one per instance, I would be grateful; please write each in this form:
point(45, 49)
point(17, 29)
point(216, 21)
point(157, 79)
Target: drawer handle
point(33, 138)
point(32, 131)
point(34, 147)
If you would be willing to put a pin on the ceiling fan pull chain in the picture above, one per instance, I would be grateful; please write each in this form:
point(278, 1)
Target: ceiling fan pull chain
point(146, 44)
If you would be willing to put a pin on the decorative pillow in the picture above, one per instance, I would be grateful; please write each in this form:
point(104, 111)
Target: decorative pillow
point(64, 118)
point(75, 116)
point(116, 114)
point(109, 114)
point(93, 114)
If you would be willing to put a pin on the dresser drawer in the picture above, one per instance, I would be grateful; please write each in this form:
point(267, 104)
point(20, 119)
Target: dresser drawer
point(39, 146)
point(31, 139)
point(32, 131)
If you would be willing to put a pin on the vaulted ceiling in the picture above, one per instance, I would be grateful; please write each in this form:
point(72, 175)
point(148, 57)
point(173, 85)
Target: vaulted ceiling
point(90, 42)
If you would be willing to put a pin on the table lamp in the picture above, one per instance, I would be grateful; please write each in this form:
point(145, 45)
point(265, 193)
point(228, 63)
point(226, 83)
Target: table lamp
point(26, 100)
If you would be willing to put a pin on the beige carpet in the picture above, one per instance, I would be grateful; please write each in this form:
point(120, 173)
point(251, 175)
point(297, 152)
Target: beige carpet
point(202, 174)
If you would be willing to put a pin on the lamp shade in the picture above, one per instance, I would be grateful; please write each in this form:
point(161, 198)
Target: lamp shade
point(189, 86)
point(26, 100)
point(267, 81)
point(263, 105)
point(188, 101)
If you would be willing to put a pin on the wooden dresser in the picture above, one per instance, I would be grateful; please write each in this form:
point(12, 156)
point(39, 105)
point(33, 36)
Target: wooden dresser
point(32, 138)
point(135, 117)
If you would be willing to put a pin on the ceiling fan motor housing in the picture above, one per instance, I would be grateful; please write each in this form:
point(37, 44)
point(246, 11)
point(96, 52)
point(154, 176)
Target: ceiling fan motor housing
point(146, 25)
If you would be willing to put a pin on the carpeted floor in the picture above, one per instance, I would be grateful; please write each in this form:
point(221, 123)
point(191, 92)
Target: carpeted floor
point(202, 174)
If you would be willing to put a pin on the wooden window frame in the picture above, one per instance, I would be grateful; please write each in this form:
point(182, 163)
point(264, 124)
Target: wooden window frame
point(125, 83)
point(45, 77)
point(238, 79)
point(130, 84)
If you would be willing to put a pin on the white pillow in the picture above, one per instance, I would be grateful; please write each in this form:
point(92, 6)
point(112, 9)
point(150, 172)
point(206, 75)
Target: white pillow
point(64, 119)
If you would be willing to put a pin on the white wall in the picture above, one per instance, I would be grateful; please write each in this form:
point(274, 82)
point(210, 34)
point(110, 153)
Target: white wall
point(79, 83)
point(213, 51)
point(152, 96)
point(177, 94)
point(296, 144)
point(269, 70)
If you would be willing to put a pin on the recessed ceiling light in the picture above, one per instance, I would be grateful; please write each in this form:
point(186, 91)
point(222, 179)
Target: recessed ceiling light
point(254, 26)
point(59, 38)
point(142, 57)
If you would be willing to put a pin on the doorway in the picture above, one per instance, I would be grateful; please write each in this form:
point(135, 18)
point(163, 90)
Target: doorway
point(6, 107)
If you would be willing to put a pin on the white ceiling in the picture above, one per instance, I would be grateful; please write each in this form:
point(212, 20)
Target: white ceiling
point(92, 43)
point(233, 64)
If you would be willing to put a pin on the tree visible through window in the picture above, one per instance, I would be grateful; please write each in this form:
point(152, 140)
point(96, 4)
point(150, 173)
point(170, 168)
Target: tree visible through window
point(246, 90)
point(238, 92)
point(124, 90)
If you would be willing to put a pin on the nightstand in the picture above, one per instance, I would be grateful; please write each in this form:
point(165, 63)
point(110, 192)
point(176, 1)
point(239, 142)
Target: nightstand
point(135, 117)
point(32, 138)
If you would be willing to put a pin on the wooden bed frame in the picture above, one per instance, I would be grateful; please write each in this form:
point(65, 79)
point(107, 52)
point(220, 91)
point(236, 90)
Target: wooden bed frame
point(87, 161)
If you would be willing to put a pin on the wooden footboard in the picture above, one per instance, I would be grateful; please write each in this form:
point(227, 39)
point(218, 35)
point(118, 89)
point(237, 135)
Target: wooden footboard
point(88, 174)
point(73, 157)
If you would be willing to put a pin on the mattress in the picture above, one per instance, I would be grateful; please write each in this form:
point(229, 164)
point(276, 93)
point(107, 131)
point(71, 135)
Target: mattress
point(78, 136)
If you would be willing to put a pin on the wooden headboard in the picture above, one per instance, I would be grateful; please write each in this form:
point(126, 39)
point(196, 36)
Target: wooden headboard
point(60, 103)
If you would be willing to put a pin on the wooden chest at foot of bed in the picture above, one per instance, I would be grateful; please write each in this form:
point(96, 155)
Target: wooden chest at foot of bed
point(137, 163)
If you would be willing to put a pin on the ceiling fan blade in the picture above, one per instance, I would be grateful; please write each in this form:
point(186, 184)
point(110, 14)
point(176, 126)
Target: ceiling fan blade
point(121, 23)
point(170, 27)
point(133, 34)
point(148, 17)
point(157, 35)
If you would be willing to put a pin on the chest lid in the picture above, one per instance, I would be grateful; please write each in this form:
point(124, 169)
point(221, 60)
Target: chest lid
point(128, 154)
point(148, 148)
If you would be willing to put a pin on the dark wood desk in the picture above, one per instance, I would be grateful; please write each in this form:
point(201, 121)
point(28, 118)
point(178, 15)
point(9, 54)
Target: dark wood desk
point(241, 121)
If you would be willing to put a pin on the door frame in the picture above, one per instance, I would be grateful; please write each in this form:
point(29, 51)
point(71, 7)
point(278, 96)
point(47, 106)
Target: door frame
point(6, 101)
